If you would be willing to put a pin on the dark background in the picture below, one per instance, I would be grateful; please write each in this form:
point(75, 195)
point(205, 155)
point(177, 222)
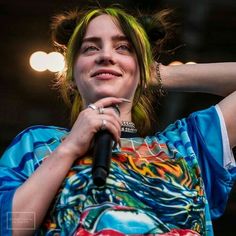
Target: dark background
point(207, 31)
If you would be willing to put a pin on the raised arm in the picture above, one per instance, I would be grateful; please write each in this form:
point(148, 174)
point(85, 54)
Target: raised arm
point(212, 78)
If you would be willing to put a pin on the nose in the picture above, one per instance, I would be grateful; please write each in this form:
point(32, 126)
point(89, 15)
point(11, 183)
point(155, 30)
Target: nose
point(105, 57)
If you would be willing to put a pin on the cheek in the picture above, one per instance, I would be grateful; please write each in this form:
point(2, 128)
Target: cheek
point(130, 64)
point(79, 79)
point(81, 72)
point(79, 68)
point(136, 73)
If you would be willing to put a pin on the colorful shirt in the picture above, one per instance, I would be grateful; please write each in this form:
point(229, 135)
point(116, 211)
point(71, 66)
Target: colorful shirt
point(177, 179)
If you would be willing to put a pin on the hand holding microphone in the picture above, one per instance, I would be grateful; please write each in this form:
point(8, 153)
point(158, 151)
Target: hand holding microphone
point(102, 151)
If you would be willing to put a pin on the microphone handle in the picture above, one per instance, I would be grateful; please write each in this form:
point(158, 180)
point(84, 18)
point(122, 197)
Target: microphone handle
point(102, 157)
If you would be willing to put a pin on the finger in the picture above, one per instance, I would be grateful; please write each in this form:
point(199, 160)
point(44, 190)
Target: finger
point(110, 124)
point(92, 117)
point(92, 106)
point(110, 111)
point(92, 121)
point(100, 109)
point(105, 125)
point(111, 115)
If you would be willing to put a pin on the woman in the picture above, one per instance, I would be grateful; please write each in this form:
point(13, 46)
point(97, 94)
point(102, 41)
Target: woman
point(170, 183)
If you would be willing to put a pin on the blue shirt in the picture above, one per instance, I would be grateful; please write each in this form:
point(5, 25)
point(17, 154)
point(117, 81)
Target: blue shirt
point(173, 180)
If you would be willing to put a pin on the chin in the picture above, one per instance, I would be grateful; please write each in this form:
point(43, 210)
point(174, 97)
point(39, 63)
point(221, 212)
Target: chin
point(104, 94)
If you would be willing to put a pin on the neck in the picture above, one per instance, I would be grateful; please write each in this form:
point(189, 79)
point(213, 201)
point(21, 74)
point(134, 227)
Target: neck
point(125, 112)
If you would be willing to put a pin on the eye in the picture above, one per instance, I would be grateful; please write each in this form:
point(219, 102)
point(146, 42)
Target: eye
point(89, 48)
point(124, 47)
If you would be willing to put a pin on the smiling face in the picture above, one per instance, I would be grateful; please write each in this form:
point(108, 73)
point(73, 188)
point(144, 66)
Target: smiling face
point(106, 64)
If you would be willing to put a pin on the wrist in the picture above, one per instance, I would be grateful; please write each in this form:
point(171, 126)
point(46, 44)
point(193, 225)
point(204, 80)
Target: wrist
point(67, 152)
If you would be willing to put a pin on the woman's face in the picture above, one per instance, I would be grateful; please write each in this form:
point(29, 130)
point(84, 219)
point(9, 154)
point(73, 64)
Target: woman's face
point(106, 64)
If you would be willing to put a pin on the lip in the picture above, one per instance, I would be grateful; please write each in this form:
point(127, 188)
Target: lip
point(105, 74)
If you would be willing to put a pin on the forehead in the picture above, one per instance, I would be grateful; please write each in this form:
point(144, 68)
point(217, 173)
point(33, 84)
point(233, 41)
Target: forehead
point(103, 25)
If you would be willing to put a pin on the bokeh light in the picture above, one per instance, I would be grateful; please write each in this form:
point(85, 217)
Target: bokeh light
point(175, 63)
point(38, 61)
point(41, 61)
point(55, 62)
point(190, 62)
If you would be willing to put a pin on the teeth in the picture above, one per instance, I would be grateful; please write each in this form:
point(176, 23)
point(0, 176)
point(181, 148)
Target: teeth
point(104, 74)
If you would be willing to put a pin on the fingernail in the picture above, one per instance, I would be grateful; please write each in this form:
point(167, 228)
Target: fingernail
point(125, 100)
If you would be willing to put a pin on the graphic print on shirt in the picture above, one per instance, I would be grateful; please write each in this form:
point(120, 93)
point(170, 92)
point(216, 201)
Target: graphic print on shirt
point(151, 189)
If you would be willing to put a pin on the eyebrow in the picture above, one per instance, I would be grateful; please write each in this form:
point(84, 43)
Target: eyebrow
point(97, 39)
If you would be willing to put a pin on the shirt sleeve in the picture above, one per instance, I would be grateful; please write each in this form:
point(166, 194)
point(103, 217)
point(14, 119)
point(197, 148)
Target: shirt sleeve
point(209, 140)
point(16, 164)
point(20, 160)
point(228, 157)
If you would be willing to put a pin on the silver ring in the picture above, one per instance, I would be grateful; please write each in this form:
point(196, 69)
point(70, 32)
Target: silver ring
point(100, 110)
point(92, 106)
point(103, 126)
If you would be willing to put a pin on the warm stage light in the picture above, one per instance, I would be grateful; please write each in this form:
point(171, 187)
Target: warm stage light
point(175, 63)
point(55, 62)
point(41, 61)
point(190, 62)
point(38, 61)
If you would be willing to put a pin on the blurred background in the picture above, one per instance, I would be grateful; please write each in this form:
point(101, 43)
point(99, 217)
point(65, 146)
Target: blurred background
point(206, 33)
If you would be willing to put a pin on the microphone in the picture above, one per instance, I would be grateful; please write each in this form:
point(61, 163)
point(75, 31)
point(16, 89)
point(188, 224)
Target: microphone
point(102, 155)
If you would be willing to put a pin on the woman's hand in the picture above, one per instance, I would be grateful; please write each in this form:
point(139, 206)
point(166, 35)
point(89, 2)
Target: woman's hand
point(89, 122)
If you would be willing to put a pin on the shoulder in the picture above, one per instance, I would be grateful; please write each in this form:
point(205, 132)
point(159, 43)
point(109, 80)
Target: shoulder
point(199, 124)
point(39, 133)
point(33, 143)
point(201, 118)
point(43, 130)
